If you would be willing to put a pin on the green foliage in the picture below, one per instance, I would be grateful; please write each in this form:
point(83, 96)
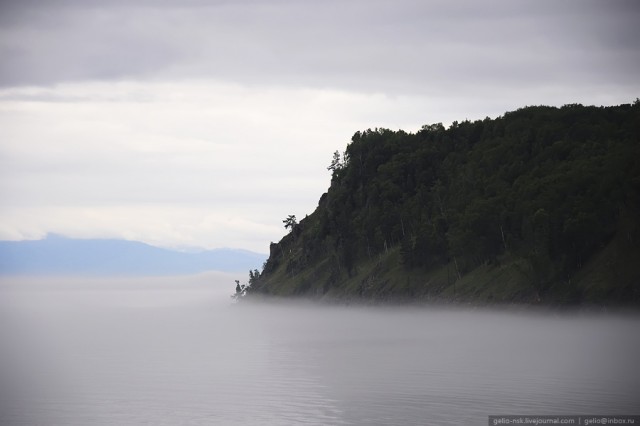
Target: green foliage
point(290, 222)
point(253, 277)
point(542, 184)
point(336, 164)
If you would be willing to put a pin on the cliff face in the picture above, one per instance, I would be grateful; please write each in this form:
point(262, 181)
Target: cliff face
point(539, 205)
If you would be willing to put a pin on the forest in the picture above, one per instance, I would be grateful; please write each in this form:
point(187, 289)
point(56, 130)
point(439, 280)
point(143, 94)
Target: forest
point(539, 205)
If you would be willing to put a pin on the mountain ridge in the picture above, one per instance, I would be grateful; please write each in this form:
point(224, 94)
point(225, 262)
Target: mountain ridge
point(58, 255)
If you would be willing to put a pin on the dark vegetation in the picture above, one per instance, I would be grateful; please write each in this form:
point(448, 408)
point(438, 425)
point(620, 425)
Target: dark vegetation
point(539, 205)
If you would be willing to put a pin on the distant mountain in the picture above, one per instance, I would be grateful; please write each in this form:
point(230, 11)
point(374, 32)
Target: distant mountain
point(56, 255)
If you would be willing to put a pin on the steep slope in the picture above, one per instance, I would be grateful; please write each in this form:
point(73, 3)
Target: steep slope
point(534, 206)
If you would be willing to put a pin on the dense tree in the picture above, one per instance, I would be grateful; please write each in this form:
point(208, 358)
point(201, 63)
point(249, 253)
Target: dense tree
point(543, 183)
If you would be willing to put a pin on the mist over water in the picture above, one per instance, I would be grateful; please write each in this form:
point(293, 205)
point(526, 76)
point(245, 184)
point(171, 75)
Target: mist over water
point(169, 351)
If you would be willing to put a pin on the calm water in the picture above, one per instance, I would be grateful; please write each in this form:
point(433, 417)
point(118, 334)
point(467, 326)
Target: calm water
point(174, 352)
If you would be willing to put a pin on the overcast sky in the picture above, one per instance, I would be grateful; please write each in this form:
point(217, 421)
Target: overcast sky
point(205, 123)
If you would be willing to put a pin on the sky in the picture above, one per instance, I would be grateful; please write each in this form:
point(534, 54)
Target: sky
point(204, 124)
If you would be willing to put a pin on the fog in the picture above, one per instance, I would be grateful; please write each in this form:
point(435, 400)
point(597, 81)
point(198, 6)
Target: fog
point(177, 351)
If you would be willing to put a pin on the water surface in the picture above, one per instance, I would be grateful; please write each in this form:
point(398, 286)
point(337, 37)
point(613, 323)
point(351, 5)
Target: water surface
point(175, 351)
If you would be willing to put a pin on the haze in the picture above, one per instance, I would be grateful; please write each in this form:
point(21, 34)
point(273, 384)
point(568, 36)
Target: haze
point(174, 351)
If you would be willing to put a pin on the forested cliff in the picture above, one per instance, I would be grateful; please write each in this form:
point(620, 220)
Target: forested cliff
point(541, 204)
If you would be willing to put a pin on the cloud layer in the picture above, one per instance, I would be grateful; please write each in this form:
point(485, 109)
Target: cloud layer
point(419, 47)
point(205, 123)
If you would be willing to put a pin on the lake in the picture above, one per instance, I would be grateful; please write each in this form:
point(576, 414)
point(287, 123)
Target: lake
point(175, 351)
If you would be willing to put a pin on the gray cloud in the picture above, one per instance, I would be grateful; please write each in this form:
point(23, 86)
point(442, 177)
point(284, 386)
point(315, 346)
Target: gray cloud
point(390, 46)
